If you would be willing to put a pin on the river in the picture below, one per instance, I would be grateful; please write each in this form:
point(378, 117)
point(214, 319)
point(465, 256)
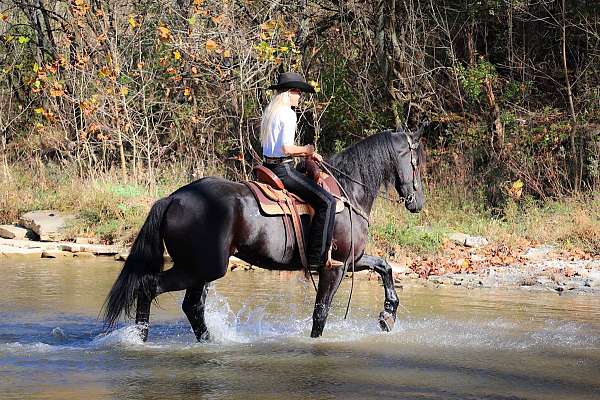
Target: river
point(450, 343)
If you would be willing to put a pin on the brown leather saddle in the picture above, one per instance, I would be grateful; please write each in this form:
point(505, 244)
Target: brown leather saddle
point(274, 200)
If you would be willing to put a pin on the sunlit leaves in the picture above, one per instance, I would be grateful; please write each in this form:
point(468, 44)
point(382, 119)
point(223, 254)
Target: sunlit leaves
point(56, 90)
point(516, 189)
point(315, 85)
point(23, 39)
point(177, 55)
point(47, 114)
point(164, 33)
point(132, 22)
point(210, 45)
point(79, 7)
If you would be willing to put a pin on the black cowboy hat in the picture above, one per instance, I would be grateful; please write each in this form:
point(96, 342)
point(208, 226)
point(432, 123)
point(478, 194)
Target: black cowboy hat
point(292, 80)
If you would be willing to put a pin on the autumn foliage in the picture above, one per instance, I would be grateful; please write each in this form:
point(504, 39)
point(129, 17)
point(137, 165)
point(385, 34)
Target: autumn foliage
point(511, 88)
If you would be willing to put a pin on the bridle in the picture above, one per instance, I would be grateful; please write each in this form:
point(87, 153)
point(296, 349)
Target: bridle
point(413, 146)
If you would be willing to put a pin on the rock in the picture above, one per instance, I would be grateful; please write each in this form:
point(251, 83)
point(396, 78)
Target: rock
point(399, 269)
point(84, 254)
point(538, 253)
point(544, 281)
point(17, 251)
point(56, 254)
point(13, 232)
point(72, 248)
point(440, 280)
point(47, 224)
point(122, 256)
point(84, 240)
point(458, 238)
point(593, 279)
point(528, 281)
point(97, 249)
point(476, 241)
point(466, 240)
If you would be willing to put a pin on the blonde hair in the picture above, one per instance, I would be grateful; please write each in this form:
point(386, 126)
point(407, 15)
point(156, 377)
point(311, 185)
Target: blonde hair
point(280, 101)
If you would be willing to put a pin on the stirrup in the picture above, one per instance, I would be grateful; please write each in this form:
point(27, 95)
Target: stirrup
point(331, 263)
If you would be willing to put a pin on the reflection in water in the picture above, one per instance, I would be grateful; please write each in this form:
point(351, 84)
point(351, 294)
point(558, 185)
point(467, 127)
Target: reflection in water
point(448, 343)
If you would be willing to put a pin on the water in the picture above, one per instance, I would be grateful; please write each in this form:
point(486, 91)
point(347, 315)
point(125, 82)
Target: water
point(448, 343)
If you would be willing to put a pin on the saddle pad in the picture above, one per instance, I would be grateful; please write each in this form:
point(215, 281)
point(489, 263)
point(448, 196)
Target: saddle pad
point(273, 202)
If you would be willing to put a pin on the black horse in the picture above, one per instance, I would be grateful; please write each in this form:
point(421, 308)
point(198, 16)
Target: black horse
point(205, 222)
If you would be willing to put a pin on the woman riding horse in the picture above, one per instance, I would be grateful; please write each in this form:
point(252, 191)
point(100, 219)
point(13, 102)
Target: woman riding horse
point(277, 135)
point(205, 222)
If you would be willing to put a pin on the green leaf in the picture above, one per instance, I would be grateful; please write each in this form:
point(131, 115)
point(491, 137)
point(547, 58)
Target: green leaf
point(23, 39)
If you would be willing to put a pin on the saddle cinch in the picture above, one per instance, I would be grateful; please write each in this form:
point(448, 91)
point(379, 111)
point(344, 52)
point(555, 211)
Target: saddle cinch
point(274, 200)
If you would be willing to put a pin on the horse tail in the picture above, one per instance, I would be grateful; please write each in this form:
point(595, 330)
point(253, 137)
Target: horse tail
point(141, 268)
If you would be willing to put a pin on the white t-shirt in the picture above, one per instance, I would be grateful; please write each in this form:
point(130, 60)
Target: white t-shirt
point(282, 131)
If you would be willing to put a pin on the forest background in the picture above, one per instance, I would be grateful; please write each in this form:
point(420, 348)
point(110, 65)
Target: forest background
point(105, 105)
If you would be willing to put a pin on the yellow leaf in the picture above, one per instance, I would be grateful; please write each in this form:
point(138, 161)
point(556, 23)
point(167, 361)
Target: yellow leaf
point(39, 110)
point(227, 54)
point(3, 17)
point(518, 184)
point(284, 49)
point(315, 85)
point(124, 91)
point(164, 33)
point(177, 55)
point(132, 22)
point(211, 45)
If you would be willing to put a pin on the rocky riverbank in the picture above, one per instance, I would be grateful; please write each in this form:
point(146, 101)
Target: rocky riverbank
point(467, 261)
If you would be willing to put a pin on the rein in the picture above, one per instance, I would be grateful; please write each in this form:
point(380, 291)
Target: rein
point(351, 207)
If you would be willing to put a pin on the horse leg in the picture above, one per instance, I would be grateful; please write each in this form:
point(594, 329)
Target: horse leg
point(193, 307)
point(167, 281)
point(142, 315)
point(328, 282)
point(387, 318)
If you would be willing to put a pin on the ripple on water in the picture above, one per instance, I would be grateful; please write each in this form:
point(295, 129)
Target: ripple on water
point(254, 324)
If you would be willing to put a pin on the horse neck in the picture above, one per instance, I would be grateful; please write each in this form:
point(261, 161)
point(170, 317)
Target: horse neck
point(369, 164)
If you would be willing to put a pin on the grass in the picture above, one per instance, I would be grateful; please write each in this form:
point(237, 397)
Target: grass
point(569, 223)
point(113, 211)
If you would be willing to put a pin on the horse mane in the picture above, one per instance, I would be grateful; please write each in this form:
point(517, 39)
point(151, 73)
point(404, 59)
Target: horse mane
point(369, 161)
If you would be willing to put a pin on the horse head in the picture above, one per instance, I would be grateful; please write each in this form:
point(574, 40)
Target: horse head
point(409, 157)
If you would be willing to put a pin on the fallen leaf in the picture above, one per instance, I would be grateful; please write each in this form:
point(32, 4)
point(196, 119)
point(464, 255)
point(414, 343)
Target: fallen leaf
point(210, 45)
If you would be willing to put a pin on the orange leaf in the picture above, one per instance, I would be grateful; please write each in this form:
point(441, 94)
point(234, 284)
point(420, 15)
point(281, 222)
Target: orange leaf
point(164, 33)
point(211, 45)
point(57, 90)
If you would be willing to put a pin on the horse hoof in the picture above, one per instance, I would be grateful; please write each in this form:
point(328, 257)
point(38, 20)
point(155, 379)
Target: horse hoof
point(203, 337)
point(386, 321)
point(142, 331)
